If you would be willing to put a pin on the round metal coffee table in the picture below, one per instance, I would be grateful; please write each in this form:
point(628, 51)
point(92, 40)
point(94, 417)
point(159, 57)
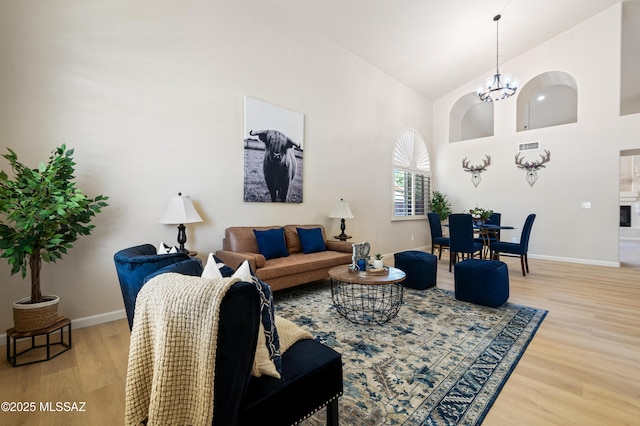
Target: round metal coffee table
point(364, 298)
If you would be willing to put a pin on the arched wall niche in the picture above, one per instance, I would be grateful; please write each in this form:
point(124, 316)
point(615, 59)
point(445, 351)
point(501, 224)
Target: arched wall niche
point(549, 99)
point(470, 118)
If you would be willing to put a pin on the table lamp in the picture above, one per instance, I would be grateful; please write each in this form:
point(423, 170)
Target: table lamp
point(341, 211)
point(180, 210)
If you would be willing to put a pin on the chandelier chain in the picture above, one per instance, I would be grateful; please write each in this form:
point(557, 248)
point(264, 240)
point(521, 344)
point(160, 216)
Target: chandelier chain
point(497, 19)
point(498, 88)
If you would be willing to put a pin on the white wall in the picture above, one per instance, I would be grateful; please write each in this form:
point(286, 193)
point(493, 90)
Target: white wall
point(150, 95)
point(584, 156)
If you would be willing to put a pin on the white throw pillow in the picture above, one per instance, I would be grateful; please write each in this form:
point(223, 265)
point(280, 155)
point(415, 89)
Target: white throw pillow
point(165, 249)
point(244, 272)
point(211, 268)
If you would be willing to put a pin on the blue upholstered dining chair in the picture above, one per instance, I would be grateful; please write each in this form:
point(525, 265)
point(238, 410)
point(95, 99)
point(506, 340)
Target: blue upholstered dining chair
point(494, 235)
point(516, 249)
point(461, 240)
point(495, 219)
point(437, 240)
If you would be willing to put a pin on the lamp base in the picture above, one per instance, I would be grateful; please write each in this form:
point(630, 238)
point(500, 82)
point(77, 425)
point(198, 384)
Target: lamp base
point(182, 238)
point(342, 236)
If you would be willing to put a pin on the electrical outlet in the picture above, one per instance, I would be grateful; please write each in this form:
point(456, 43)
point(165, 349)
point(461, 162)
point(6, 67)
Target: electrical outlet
point(412, 237)
point(586, 204)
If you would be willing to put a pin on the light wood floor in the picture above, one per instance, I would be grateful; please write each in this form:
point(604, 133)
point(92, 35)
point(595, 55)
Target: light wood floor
point(582, 367)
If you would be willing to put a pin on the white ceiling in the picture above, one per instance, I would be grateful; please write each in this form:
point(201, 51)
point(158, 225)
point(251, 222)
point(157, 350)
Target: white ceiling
point(436, 46)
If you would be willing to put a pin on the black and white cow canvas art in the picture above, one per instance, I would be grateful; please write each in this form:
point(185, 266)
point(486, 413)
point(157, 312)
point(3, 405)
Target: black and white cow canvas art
point(273, 152)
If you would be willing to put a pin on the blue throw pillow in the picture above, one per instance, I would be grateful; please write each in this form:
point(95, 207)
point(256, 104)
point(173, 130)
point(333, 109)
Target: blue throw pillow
point(267, 315)
point(311, 240)
point(271, 243)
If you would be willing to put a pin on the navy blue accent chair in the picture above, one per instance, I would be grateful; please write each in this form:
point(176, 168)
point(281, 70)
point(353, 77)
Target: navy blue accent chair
point(462, 243)
point(516, 249)
point(483, 282)
point(134, 264)
point(437, 240)
point(311, 372)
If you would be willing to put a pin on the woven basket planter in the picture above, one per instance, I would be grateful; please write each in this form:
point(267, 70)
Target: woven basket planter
point(35, 316)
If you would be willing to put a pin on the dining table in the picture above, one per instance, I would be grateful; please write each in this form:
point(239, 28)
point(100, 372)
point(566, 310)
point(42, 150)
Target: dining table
point(487, 233)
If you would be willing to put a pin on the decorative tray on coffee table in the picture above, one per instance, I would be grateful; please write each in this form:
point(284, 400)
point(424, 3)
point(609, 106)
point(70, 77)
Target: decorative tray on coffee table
point(380, 271)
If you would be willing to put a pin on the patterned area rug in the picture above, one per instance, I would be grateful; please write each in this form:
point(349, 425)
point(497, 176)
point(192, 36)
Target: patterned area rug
point(439, 362)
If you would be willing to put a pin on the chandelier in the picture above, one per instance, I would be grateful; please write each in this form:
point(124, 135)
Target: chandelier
point(498, 88)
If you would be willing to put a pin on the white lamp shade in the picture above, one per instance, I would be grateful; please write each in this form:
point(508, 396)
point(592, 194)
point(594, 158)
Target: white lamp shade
point(341, 211)
point(179, 210)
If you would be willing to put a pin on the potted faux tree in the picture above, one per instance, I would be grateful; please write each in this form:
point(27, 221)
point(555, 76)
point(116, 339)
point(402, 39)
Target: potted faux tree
point(41, 214)
point(440, 205)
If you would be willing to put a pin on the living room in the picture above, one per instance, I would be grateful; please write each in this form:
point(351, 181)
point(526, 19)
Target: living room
point(150, 96)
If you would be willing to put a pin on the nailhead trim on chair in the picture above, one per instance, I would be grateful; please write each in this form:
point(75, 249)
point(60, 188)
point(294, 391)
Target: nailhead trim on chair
point(318, 409)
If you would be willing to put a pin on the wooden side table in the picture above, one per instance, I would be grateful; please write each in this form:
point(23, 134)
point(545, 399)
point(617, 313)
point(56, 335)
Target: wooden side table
point(13, 336)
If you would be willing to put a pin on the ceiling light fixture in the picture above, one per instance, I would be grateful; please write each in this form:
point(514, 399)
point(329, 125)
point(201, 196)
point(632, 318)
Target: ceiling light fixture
point(497, 89)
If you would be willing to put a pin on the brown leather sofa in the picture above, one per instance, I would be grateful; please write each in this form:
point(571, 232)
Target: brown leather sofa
point(240, 244)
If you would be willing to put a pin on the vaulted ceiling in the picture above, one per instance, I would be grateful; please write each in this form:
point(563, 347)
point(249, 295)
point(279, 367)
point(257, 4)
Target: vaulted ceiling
point(436, 46)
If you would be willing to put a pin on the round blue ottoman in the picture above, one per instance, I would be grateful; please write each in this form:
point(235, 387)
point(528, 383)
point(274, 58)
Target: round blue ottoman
point(483, 282)
point(420, 268)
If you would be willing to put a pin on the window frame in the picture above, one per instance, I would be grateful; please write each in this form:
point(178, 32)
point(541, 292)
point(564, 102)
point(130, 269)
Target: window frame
point(410, 150)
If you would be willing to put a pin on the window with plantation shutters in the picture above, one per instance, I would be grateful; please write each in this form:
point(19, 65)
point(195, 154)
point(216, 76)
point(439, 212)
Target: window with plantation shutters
point(411, 176)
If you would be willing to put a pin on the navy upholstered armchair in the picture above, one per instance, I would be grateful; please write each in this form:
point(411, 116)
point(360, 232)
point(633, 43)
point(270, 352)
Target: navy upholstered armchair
point(134, 264)
point(311, 372)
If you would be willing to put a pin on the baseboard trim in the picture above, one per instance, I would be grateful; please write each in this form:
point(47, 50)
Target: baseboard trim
point(568, 260)
point(574, 260)
point(87, 321)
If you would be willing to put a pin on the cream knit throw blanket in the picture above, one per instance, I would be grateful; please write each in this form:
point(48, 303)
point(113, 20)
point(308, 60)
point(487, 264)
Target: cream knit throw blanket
point(172, 352)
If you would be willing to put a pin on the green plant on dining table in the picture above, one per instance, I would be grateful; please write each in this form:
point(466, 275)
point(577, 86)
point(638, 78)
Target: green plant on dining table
point(478, 213)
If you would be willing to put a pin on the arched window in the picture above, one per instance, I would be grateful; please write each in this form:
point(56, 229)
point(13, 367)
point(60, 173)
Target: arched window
point(411, 176)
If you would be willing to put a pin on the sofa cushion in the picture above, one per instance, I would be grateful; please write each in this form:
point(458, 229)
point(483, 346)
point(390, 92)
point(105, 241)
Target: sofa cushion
point(309, 367)
point(300, 263)
point(311, 240)
point(271, 243)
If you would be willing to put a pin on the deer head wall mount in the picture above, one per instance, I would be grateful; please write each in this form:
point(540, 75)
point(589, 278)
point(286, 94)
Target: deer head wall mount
point(476, 170)
point(533, 167)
